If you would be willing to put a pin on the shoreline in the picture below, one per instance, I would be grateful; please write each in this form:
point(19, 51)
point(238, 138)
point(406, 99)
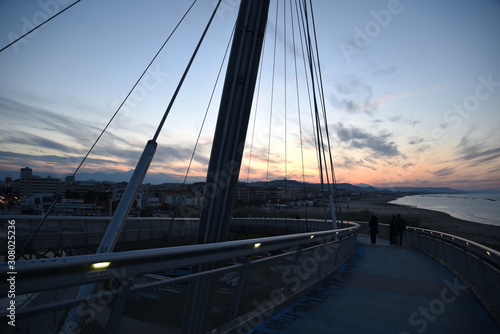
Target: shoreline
point(487, 235)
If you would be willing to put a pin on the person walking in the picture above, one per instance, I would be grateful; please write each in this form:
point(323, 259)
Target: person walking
point(373, 223)
point(399, 229)
point(392, 234)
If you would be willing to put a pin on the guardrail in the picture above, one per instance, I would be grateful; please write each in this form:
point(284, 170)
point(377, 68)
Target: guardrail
point(478, 266)
point(147, 290)
point(67, 235)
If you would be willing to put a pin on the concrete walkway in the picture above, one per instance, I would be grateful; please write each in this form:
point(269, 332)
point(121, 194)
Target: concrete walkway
point(386, 289)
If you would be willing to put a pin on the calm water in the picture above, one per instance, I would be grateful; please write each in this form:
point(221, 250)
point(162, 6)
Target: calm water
point(480, 208)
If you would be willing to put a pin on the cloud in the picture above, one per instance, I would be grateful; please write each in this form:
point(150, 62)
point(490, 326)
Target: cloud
point(377, 145)
point(400, 119)
point(169, 154)
point(35, 141)
point(262, 156)
point(479, 150)
point(354, 96)
point(350, 163)
point(384, 71)
point(415, 140)
point(56, 164)
point(33, 117)
point(41, 136)
point(444, 172)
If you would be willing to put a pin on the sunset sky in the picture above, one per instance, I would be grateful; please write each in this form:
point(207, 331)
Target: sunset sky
point(412, 90)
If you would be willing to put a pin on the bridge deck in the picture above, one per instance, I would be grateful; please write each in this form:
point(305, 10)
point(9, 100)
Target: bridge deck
point(386, 289)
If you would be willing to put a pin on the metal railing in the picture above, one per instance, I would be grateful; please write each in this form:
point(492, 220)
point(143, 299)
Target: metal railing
point(477, 265)
point(147, 290)
point(80, 235)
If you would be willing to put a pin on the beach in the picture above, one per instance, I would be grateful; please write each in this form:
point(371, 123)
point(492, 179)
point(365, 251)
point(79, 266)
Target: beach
point(487, 235)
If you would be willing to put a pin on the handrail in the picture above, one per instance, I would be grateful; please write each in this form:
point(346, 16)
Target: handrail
point(46, 274)
point(72, 234)
point(492, 255)
point(477, 265)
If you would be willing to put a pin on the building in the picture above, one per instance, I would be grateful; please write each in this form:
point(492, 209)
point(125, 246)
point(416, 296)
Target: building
point(69, 180)
point(26, 173)
point(154, 202)
point(8, 182)
point(38, 202)
point(38, 185)
point(250, 194)
point(119, 191)
point(184, 196)
point(75, 207)
point(28, 184)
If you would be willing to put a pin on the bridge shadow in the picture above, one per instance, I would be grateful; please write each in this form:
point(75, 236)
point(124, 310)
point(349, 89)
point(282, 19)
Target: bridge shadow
point(386, 289)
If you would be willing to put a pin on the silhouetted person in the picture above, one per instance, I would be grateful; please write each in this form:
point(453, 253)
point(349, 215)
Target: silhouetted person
point(373, 223)
point(399, 229)
point(392, 234)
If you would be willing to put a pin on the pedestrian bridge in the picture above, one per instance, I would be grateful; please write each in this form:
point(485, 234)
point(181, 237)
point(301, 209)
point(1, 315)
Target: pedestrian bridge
point(384, 289)
point(320, 280)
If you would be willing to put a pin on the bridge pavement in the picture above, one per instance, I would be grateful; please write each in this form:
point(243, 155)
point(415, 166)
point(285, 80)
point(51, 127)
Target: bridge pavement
point(386, 289)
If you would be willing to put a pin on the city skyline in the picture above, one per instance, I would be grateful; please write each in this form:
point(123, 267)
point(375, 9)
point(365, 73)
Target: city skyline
point(158, 180)
point(412, 91)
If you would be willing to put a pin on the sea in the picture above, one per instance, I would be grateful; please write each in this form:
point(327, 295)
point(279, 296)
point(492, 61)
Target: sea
point(481, 208)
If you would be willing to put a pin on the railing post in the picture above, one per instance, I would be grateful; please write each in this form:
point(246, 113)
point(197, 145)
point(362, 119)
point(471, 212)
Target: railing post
point(86, 243)
point(239, 289)
point(119, 307)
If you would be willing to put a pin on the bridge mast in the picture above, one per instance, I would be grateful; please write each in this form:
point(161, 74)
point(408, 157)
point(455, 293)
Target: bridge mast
point(232, 122)
point(227, 148)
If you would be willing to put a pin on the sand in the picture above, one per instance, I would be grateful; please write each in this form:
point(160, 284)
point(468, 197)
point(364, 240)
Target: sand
point(484, 234)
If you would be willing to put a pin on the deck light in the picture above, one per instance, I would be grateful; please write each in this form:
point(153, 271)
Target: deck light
point(312, 236)
point(100, 265)
point(256, 245)
point(488, 253)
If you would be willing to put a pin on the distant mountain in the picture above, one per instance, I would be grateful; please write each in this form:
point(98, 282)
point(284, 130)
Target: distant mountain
point(290, 184)
point(356, 188)
point(362, 187)
point(432, 190)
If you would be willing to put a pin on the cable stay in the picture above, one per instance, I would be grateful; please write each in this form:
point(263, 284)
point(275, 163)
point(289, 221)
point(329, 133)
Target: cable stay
point(301, 138)
point(255, 109)
point(299, 23)
point(209, 104)
point(38, 26)
point(125, 99)
point(115, 226)
point(318, 110)
point(121, 213)
point(272, 93)
point(332, 184)
point(285, 97)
